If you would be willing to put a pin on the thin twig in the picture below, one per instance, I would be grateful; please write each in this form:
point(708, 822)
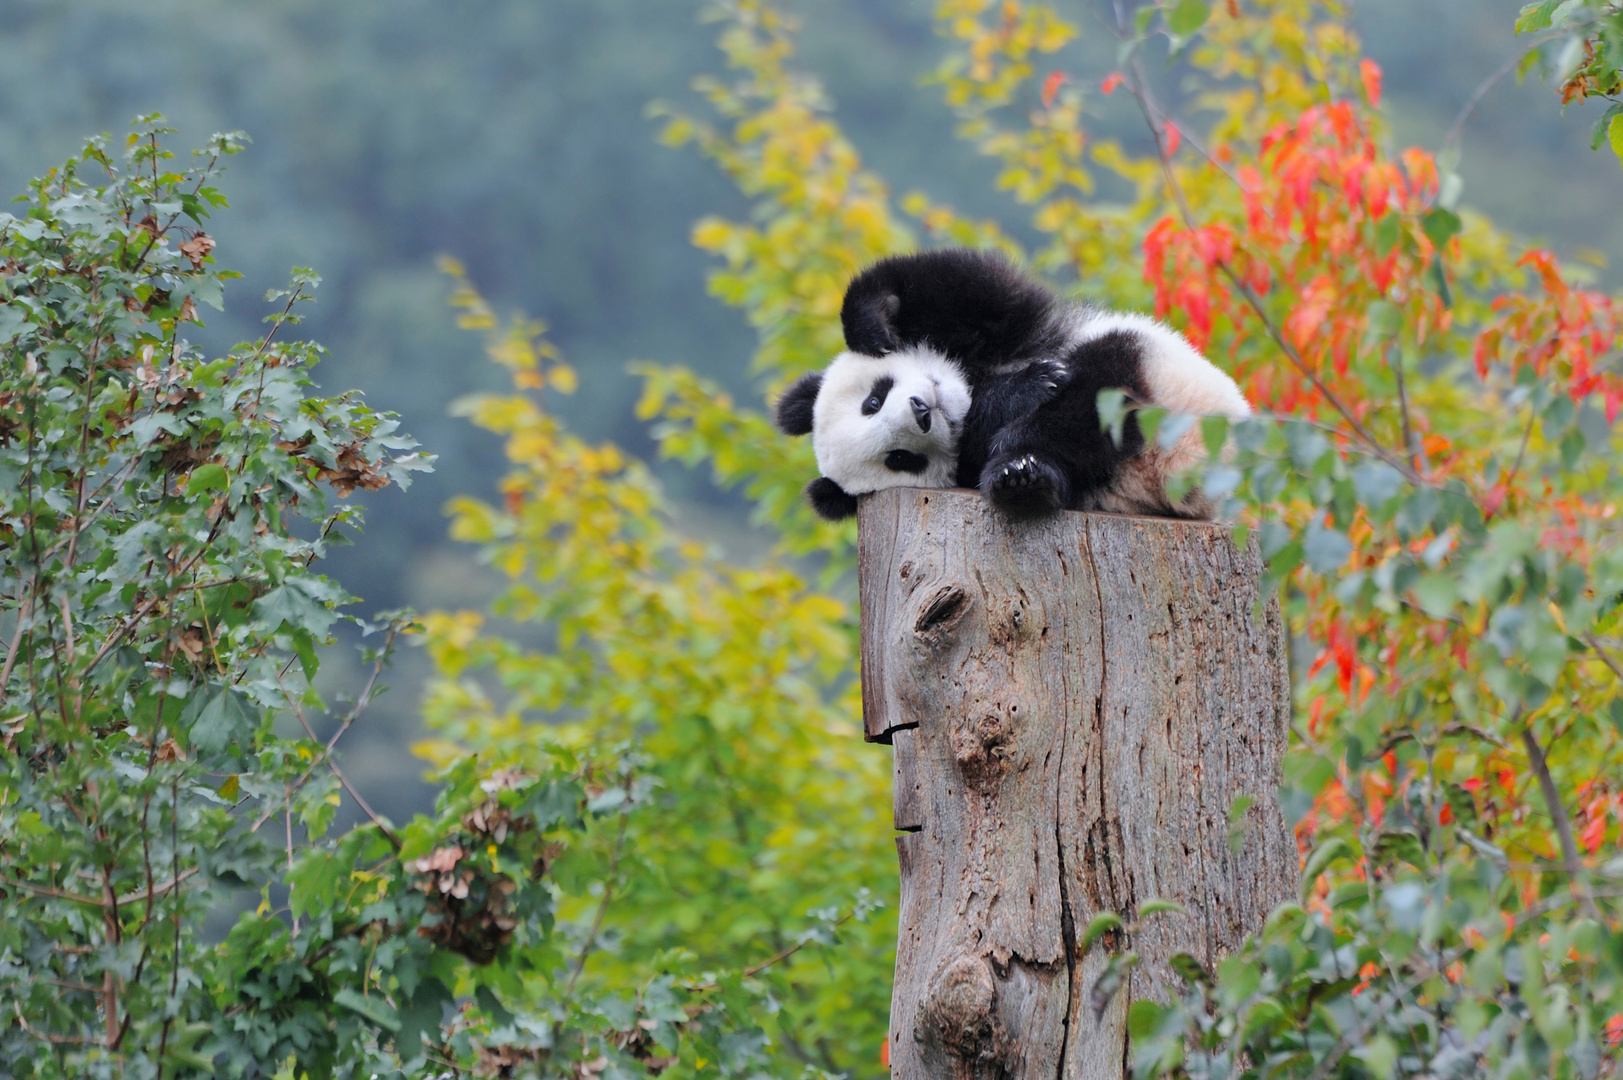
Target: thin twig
point(102, 902)
point(1563, 824)
point(1457, 128)
point(1409, 443)
point(360, 706)
point(602, 907)
point(1606, 657)
point(1318, 384)
point(23, 614)
point(779, 958)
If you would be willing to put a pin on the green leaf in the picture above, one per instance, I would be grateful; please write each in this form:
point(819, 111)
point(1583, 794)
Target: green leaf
point(1214, 431)
point(1144, 1018)
point(1440, 225)
point(1237, 822)
point(1535, 17)
point(1436, 594)
point(225, 718)
point(12, 320)
point(1388, 231)
point(1377, 483)
point(304, 646)
point(375, 1009)
point(1439, 281)
point(1158, 906)
point(1326, 549)
point(209, 477)
point(1603, 126)
point(1112, 406)
point(1188, 16)
point(1261, 1016)
point(1323, 855)
point(1614, 135)
point(1384, 321)
point(1098, 925)
point(1380, 1054)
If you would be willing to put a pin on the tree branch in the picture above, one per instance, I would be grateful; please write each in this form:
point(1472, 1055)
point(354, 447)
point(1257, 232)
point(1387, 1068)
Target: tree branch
point(1558, 814)
point(602, 907)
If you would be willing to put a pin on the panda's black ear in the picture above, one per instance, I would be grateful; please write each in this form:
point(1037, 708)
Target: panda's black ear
point(796, 405)
point(868, 316)
point(830, 500)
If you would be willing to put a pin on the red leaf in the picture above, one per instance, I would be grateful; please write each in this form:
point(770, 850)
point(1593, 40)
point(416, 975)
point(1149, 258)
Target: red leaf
point(1370, 71)
point(1113, 80)
point(1174, 138)
point(1051, 86)
point(1445, 815)
point(1594, 834)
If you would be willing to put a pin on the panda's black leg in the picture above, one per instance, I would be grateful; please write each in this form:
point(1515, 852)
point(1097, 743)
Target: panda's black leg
point(1025, 484)
point(1052, 457)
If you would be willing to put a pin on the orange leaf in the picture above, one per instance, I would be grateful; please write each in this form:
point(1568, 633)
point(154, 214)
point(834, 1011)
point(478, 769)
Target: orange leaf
point(1113, 80)
point(1174, 138)
point(1594, 834)
point(1051, 86)
point(1370, 72)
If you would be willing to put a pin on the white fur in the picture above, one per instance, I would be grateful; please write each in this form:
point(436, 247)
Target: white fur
point(851, 448)
point(1178, 378)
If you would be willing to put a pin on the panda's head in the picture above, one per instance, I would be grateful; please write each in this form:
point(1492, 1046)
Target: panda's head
point(878, 422)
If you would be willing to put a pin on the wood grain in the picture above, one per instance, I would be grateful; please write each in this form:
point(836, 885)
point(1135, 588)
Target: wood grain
point(1075, 704)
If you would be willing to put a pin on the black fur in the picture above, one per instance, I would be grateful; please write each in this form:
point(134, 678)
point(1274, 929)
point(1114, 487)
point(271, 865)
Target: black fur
point(796, 405)
point(830, 500)
point(973, 306)
point(1032, 441)
point(1054, 456)
point(906, 461)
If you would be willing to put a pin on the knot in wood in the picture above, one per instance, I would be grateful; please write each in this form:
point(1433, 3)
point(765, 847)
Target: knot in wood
point(959, 1018)
point(941, 614)
point(982, 744)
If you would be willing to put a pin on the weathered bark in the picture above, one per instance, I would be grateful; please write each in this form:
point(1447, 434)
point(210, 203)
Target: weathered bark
point(1075, 704)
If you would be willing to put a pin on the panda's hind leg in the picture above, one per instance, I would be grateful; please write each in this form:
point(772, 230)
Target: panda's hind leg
point(1056, 456)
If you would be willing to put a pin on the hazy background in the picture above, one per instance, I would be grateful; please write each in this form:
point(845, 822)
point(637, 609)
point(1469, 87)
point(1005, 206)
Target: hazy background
point(512, 135)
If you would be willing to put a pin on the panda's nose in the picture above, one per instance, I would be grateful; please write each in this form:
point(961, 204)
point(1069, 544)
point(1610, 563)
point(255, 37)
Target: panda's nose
point(921, 412)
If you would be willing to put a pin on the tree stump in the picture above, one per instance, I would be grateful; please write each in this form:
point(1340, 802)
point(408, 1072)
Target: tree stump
point(1075, 705)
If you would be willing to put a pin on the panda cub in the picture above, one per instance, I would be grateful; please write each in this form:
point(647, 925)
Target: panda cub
point(961, 371)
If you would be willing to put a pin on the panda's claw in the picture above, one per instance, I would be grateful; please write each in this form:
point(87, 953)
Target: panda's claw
point(1024, 485)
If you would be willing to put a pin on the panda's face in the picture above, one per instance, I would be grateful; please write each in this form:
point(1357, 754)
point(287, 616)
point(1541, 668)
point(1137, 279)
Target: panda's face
point(892, 421)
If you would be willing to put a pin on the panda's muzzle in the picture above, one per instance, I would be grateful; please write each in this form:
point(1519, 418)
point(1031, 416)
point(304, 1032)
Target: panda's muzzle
point(921, 412)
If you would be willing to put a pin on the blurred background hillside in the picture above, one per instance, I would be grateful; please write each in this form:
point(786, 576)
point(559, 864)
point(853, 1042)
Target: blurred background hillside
point(512, 134)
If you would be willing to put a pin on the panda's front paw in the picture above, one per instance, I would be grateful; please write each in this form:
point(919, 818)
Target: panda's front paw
point(1024, 485)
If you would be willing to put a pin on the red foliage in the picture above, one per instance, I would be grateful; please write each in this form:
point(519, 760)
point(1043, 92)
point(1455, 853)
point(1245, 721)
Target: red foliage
point(1561, 334)
point(1331, 226)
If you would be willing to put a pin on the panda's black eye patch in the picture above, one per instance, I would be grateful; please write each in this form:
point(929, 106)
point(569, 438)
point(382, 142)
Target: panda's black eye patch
point(877, 395)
